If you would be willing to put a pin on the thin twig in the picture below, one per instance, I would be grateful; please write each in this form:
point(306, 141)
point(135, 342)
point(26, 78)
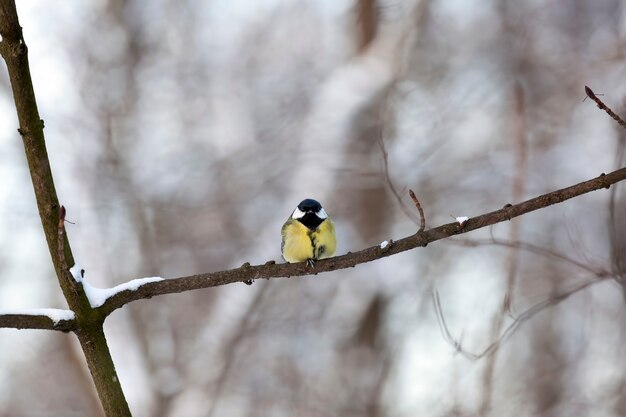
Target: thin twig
point(419, 209)
point(443, 327)
point(395, 192)
point(517, 322)
point(232, 347)
point(604, 107)
point(532, 248)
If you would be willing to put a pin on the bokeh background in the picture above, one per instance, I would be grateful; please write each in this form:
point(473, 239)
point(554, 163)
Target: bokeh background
point(182, 134)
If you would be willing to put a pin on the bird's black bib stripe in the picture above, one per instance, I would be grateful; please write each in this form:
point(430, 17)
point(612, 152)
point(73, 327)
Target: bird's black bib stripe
point(311, 221)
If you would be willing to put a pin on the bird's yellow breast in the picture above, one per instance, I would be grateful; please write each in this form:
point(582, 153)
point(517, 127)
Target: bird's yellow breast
point(297, 245)
point(324, 240)
point(301, 244)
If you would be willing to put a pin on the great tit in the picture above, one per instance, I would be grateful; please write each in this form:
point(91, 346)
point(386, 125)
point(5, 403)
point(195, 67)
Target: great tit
point(308, 234)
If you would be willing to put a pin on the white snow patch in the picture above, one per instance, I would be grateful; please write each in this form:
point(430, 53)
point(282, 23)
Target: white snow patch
point(97, 296)
point(77, 273)
point(462, 219)
point(55, 314)
point(384, 244)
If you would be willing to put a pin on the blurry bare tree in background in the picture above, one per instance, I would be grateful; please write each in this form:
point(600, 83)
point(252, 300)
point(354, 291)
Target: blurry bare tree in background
point(181, 135)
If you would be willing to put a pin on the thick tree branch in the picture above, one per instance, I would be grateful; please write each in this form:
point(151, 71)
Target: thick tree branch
point(42, 322)
point(420, 239)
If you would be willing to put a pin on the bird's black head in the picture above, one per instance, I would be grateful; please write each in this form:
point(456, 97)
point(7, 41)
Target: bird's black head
point(309, 206)
point(310, 213)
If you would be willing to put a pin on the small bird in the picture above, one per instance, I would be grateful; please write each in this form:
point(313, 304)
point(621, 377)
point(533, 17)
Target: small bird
point(308, 234)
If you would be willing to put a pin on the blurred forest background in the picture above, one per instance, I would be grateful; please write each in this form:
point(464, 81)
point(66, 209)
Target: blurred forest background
point(182, 134)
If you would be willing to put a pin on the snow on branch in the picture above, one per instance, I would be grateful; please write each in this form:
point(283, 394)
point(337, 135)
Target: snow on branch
point(98, 296)
point(38, 318)
point(65, 320)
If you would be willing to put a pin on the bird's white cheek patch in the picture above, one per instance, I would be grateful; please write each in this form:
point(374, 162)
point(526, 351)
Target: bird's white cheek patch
point(297, 214)
point(321, 214)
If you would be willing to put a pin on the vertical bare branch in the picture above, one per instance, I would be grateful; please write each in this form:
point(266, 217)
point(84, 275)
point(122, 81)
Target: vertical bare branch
point(616, 235)
point(367, 20)
point(518, 186)
point(89, 322)
point(15, 54)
